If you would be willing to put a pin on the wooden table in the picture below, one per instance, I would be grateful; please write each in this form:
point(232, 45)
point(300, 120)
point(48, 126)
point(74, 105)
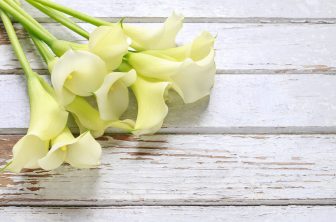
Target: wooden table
point(261, 148)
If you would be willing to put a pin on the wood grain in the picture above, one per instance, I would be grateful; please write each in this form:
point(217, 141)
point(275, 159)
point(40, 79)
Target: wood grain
point(165, 214)
point(238, 104)
point(208, 11)
point(186, 170)
point(238, 162)
point(240, 48)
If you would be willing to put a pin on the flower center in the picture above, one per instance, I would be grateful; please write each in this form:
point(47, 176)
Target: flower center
point(64, 148)
point(70, 77)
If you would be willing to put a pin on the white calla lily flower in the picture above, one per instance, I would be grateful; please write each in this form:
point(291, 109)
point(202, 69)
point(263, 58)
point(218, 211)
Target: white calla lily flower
point(152, 108)
point(88, 118)
point(26, 153)
point(110, 44)
point(144, 38)
point(190, 68)
point(77, 73)
point(112, 97)
point(81, 152)
point(47, 120)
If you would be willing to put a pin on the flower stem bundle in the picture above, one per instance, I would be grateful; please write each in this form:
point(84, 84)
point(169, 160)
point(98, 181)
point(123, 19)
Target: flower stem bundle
point(92, 81)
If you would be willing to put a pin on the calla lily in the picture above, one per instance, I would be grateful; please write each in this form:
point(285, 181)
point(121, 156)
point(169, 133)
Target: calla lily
point(152, 108)
point(110, 44)
point(88, 118)
point(81, 152)
point(77, 73)
point(27, 151)
point(161, 38)
point(190, 68)
point(47, 120)
point(112, 97)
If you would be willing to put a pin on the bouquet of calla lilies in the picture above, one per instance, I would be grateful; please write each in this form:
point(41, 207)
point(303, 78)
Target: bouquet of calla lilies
point(92, 82)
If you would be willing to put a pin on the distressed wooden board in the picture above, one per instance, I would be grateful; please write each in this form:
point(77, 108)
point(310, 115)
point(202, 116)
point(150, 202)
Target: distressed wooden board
point(240, 48)
point(208, 11)
point(238, 104)
point(186, 170)
point(176, 214)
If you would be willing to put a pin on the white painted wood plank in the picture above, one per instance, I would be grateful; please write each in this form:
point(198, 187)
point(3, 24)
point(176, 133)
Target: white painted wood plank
point(238, 104)
point(176, 214)
point(264, 9)
point(186, 170)
point(240, 48)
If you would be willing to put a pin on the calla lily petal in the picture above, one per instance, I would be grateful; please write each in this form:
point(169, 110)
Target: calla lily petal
point(47, 117)
point(160, 38)
point(162, 64)
point(153, 66)
point(47, 120)
point(127, 124)
point(110, 44)
point(77, 73)
point(152, 108)
point(112, 96)
point(55, 157)
point(86, 116)
point(198, 49)
point(197, 79)
point(191, 68)
point(80, 152)
point(84, 152)
point(26, 152)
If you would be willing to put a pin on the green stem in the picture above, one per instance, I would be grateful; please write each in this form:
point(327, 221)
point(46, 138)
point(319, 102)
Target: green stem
point(44, 50)
point(74, 13)
point(5, 167)
point(30, 26)
point(16, 6)
point(16, 44)
point(59, 47)
point(61, 18)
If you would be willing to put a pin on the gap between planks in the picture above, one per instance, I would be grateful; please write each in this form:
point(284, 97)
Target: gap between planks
point(164, 214)
point(329, 71)
point(167, 203)
point(269, 131)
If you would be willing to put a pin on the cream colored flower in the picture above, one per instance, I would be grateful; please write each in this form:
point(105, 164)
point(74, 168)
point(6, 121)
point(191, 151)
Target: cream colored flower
point(112, 97)
point(47, 120)
point(155, 38)
point(81, 152)
point(110, 44)
point(77, 73)
point(152, 108)
point(27, 151)
point(190, 68)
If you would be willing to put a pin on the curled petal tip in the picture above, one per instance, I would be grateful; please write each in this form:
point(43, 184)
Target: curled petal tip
point(162, 37)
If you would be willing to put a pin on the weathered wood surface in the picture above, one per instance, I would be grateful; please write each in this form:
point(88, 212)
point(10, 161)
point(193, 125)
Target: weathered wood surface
point(208, 11)
point(238, 104)
point(186, 170)
point(179, 169)
point(240, 48)
point(176, 214)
